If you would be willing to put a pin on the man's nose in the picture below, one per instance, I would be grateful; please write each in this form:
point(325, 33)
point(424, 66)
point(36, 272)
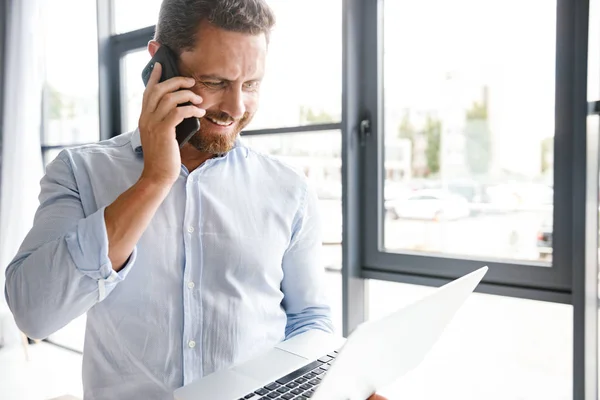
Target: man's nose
point(233, 103)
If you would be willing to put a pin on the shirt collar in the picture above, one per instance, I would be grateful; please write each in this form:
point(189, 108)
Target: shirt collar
point(136, 143)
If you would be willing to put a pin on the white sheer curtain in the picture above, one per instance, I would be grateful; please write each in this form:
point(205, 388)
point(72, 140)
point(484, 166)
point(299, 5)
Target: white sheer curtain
point(22, 166)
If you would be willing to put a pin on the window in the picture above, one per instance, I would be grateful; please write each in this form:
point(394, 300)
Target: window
point(50, 154)
point(474, 153)
point(303, 81)
point(132, 65)
point(130, 15)
point(469, 119)
point(70, 99)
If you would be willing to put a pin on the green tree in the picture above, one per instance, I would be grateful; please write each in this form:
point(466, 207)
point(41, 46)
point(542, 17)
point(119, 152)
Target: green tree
point(477, 111)
point(478, 139)
point(433, 134)
point(407, 131)
point(309, 116)
point(547, 154)
point(54, 102)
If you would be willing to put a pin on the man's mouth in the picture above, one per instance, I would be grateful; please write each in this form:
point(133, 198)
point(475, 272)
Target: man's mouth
point(219, 122)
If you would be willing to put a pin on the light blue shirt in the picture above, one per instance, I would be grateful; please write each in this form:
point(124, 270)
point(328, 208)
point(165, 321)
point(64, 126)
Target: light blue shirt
point(228, 267)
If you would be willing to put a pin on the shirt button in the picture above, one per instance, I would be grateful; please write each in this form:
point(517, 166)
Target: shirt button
point(191, 285)
point(192, 344)
point(191, 229)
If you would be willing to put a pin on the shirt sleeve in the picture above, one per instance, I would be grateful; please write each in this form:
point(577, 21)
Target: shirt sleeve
point(305, 300)
point(88, 247)
point(62, 268)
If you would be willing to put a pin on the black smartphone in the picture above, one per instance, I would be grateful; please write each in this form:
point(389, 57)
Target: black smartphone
point(168, 60)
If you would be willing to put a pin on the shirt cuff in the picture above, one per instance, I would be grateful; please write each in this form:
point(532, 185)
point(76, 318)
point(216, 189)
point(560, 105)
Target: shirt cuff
point(105, 286)
point(88, 246)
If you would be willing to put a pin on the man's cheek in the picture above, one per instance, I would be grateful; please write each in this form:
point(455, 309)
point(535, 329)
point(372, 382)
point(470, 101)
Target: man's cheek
point(209, 100)
point(251, 109)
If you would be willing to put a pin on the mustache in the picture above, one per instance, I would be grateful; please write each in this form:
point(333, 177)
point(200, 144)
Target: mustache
point(223, 117)
point(219, 116)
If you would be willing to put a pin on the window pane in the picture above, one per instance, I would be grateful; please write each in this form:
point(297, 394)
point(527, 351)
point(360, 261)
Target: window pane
point(496, 348)
point(71, 86)
point(130, 15)
point(301, 87)
point(70, 101)
point(469, 123)
point(49, 155)
point(132, 93)
point(303, 78)
point(318, 156)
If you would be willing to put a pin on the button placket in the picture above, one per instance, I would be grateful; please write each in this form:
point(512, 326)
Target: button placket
point(190, 331)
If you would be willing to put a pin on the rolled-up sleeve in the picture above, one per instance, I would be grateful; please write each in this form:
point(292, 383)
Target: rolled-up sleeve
point(88, 247)
point(62, 268)
point(305, 297)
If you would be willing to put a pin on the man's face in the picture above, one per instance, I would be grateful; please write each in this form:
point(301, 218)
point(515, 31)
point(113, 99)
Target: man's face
point(228, 68)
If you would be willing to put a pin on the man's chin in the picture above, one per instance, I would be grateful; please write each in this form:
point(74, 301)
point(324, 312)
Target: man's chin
point(214, 143)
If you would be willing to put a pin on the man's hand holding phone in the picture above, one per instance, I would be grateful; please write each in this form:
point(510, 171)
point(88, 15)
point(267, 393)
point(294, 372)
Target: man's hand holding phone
point(160, 115)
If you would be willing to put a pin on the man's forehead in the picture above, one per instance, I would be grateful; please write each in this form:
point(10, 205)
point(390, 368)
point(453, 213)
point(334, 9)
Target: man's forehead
point(222, 68)
point(225, 53)
point(211, 36)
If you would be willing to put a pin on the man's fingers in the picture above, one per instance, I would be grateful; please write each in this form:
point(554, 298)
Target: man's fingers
point(180, 113)
point(155, 75)
point(171, 100)
point(171, 85)
point(153, 80)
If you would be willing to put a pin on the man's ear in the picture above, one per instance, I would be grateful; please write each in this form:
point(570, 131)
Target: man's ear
point(153, 46)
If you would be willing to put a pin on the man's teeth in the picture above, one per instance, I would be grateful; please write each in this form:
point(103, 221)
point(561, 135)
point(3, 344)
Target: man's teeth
point(222, 123)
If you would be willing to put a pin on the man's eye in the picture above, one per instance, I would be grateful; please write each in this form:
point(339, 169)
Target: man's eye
point(252, 85)
point(213, 84)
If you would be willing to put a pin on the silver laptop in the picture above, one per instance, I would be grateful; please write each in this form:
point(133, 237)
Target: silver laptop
point(321, 366)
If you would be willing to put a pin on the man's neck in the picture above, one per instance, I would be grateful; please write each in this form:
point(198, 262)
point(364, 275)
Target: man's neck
point(192, 158)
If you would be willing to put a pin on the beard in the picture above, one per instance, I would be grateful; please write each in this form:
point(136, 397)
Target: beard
point(210, 141)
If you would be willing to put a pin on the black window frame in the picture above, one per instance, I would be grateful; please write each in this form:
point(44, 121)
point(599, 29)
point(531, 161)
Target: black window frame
point(572, 279)
point(533, 280)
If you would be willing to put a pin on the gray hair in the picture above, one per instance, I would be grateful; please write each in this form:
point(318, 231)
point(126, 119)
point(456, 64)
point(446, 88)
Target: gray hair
point(179, 20)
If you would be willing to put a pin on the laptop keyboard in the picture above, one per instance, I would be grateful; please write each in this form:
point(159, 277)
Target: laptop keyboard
point(298, 385)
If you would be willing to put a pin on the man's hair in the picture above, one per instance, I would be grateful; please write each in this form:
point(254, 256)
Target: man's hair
point(179, 20)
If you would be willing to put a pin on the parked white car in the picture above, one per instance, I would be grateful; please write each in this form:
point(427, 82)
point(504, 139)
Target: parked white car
point(431, 204)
